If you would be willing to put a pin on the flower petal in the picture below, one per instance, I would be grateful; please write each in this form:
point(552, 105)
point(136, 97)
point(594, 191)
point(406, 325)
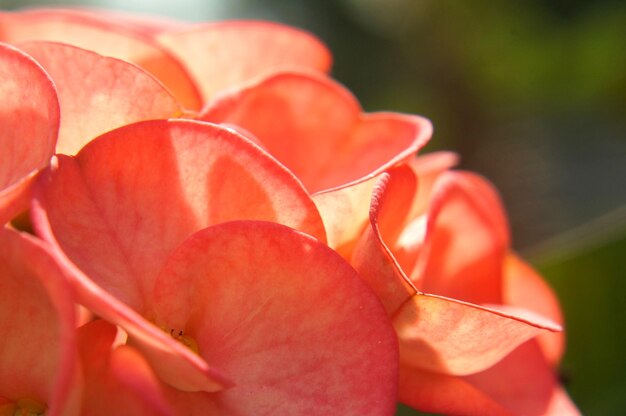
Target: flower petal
point(38, 358)
point(99, 35)
point(523, 287)
point(222, 55)
point(117, 380)
point(315, 127)
point(100, 101)
point(285, 316)
point(174, 364)
point(521, 384)
point(449, 336)
point(29, 117)
point(466, 241)
point(122, 190)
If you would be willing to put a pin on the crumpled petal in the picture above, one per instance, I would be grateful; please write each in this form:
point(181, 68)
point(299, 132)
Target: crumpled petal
point(111, 93)
point(100, 35)
point(38, 358)
point(29, 117)
point(287, 318)
point(222, 55)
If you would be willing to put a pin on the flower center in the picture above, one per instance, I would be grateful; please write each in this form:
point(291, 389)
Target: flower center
point(23, 407)
point(180, 336)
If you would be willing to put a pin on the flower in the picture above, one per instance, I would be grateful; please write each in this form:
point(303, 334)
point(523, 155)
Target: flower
point(223, 230)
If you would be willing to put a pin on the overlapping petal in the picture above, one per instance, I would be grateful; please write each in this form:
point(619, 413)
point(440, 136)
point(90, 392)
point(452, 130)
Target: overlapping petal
point(287, 318)
point(222, 55)
point(29, 116)
point(38, 359)
point(100, 101)
point(89, 31)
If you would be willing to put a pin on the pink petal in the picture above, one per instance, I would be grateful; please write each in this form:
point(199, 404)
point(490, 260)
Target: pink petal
point(117, 378)
point(38, 352)
point(428, 168)
point(152, 184)
point(174, 363)
point(523, 287)
point(100, 101)
point(99, 35)
point(449, 336)
point(285, 316)
point(315, 127)
point(29, 117)
point(466, 241)
point(521, 384)
point(222, 55)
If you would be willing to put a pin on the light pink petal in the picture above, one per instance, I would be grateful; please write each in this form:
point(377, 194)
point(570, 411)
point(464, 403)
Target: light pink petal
point(448, 336)
point(428, 168)
point(521, 384)
point(223, 55)
point(285, 316)
point(111, 93)
point(29, 117)
point(315, 127)
point(523, 287)
point(173, 363)
point(120, 41)
point(117, 380)
point(38, 358)
point(466, 241)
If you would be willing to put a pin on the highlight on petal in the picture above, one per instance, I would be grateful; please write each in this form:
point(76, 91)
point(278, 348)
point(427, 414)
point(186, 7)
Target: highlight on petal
point(38, 359)
point(29, 117)
point(285, 316)
point(523, 287)
point(466, 241)
point(453, 337)
point(120, 41)
point(117, 378)
point(222, 55)
point(521, 384)
point(316, 128)
point(111, 93)
point(152, 184)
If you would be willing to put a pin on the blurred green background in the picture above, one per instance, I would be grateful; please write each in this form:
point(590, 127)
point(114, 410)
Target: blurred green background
point(532, 94)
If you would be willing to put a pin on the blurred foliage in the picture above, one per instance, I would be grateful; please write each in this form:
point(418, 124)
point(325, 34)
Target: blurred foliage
point(532, 94)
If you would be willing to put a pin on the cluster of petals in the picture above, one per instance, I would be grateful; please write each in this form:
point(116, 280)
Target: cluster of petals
point(196, 219)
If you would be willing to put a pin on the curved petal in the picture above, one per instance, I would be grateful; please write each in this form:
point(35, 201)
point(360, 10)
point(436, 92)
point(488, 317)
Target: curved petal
point(222, 55)
point(523, 287)
point(520, 384)
point(315, 127)
point(122, 190)
point(466, 241)
point(111, 93)
point(283, 314)
point(38, 358)
point(99, 35)
point(372, 257)
point(117, 380)
point(29, 117)
point(453, 337)
point(173, 363)
point(428, 168)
